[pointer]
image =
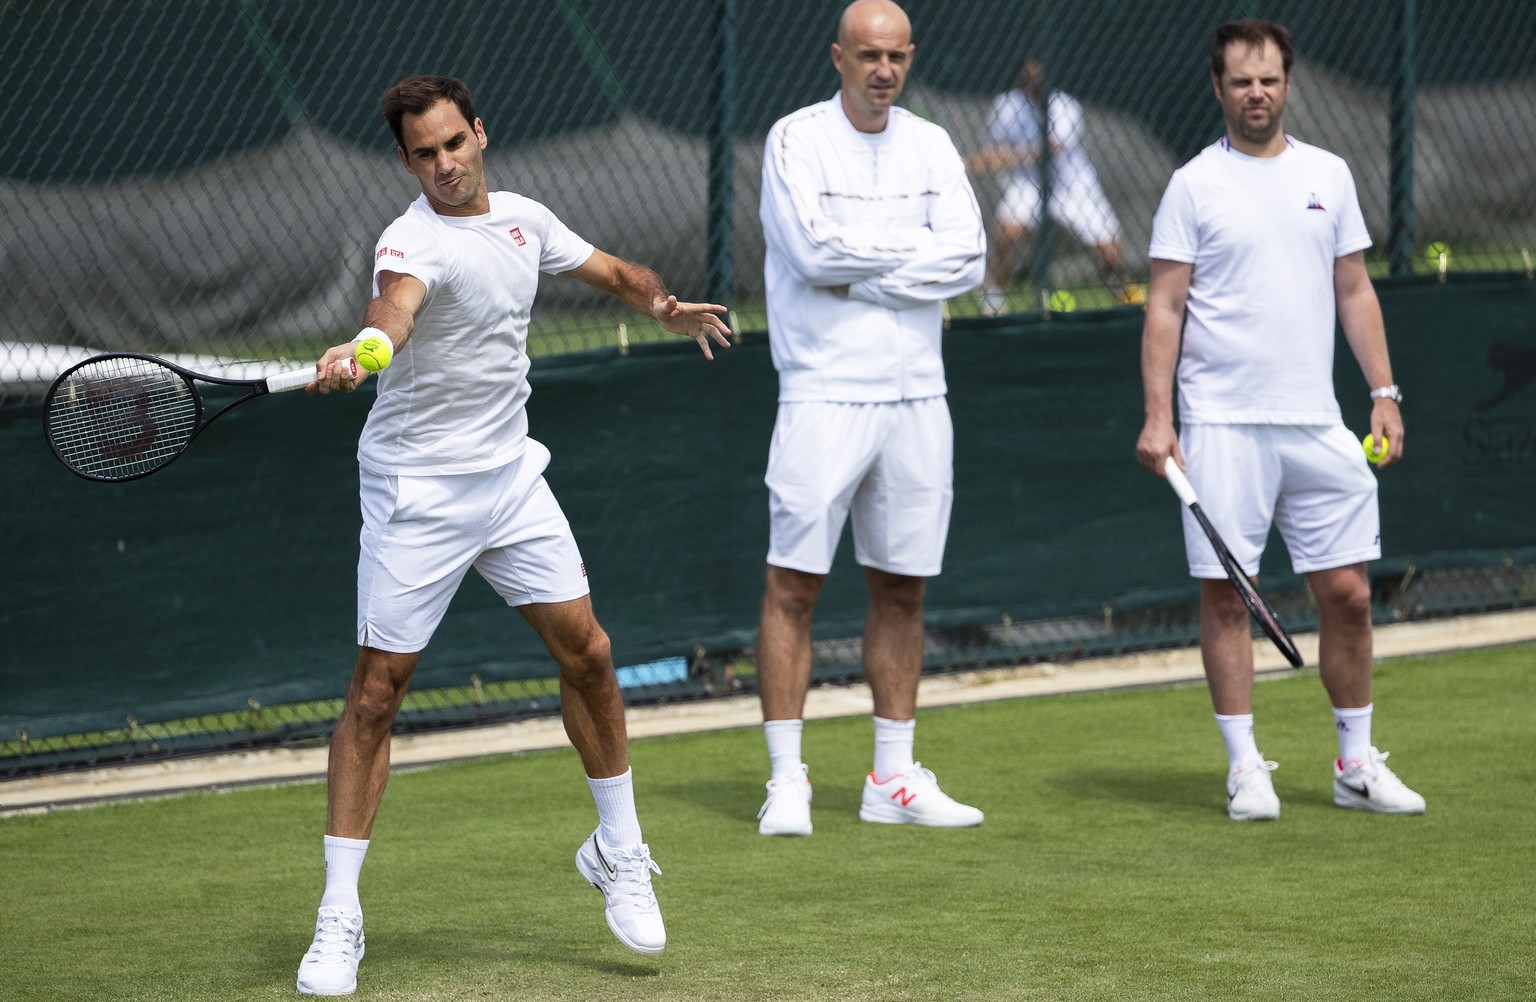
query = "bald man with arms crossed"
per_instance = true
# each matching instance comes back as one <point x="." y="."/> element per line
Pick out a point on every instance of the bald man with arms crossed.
<point x="870" y="225"/>
<point x="1258" y="244"/>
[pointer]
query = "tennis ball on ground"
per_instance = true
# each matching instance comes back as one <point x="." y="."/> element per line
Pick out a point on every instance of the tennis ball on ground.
<point x="373" y="353"/>
<point x="1063" y="301"/>
<point x="1373" y="452"/>
<point x="1434" y="250"/>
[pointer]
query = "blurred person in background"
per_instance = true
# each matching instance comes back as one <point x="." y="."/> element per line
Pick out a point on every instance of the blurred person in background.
<point x="1077" y="199"/>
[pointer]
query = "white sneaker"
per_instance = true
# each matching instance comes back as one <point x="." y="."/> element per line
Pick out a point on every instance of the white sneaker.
<point x="1251" y="794"/>
<point x="787" y="811"/>
<point x="330" y="966"/>
<point x="914" y="798"/>
<point x="1371" y="786"/>
<point x="624" y="877"/>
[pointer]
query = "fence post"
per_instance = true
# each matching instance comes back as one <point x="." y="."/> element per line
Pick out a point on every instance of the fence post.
<point x="719" y="244"/>
<point x="1045" y="170"/>
<point x="1400" y="143"/>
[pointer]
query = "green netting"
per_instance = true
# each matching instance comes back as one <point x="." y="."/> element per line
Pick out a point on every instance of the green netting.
<point x="216" y="174"/>
<point x="213" y="604"/>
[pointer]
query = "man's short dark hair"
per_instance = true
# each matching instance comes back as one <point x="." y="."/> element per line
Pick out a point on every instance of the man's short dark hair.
<point x="418" y="95"/>
<point x="1253" y="32"/>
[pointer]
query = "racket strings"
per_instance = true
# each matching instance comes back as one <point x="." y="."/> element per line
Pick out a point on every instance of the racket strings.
<point x="121" y="417"/>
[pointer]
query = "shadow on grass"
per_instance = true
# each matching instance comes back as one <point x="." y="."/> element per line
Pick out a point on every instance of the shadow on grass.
<point x="739" y="801"/>
<point x="1192" y="791"/>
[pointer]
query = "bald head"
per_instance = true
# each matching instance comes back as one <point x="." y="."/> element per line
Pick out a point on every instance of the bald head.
<point x="872" y="53"/>
<point x="863" y="16"/>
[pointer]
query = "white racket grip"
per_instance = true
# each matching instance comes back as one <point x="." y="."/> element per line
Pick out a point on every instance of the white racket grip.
<point x="300" y="378"/>
<point x="1179" y="482"/>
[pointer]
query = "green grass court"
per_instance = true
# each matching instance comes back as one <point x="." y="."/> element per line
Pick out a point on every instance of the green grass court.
<point x="1107" y="868"/>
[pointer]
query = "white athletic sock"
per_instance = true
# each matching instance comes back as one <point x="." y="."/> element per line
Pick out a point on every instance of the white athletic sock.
<point x="1354" y="727"/>
<point x="617" y="821"/>
<point x="343" y="863"/>
<point x="1237" y="732"/>
<point x="893" y="747"/>
<point x="783" y="745"/>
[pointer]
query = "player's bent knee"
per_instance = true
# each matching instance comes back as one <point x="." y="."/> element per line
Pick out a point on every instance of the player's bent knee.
<point x="589" y="662"/>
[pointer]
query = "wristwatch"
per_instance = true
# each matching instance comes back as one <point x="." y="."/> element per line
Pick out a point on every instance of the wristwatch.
<point x="1387" y="393"/>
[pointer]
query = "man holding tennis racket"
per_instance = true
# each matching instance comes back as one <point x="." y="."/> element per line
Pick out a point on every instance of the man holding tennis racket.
<point x="870" y="225"/>
<point x="1258" y="243"/>
<point x="450" y="479"/>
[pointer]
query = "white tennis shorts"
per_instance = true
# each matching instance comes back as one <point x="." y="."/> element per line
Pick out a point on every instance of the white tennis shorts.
<point x="890" y="465"/>
<point x="422" y="534"/>
<point x="1311" y="481"/>
<point x="1081" y="208"/>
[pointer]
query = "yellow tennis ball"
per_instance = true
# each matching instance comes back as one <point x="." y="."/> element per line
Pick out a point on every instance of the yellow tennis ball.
<point x="1434" y="250"/>
<point x="1063" y="301"/>
<point x="1373" y="452"/>
<point x="374" y="353"/>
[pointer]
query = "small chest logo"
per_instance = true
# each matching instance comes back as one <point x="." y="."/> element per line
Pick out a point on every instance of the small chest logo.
<point x="517" y="234"/>
<point x="1314" y="205"/>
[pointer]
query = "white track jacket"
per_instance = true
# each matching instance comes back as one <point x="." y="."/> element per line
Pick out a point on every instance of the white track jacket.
<point x="891" y="216"/>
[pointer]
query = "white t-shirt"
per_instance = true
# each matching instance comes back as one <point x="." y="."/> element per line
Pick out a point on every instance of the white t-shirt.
<point x="452" y="401"/>
<point x="1263" y="235"/>
<point x="1015" y="121"/>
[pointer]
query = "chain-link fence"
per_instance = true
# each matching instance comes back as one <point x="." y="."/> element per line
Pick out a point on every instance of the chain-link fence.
<point x="210" y="178"/>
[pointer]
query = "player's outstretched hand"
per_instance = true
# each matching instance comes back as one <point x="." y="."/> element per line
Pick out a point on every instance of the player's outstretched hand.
<point x="700" y="321"/>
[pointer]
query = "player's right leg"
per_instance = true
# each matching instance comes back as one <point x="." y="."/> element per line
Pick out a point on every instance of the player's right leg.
<point x="1238" y="482"/>
<point x="408" y="569"/>
<point x="1226" y="649"/>
<point x="819" y="455"/>
<point x="357" y="772"/>
<point x="783" y="677"/>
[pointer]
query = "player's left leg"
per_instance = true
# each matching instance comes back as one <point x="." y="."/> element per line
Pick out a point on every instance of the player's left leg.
<point x="613" y="859"/>
<point x="534" y="564"/>
<point x="1361" y="778"/>
<point x="1329" y="519"/>
<point x="900" y="526"/>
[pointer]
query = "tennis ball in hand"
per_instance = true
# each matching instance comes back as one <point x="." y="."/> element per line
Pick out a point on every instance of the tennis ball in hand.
<point x="374" y="353"/>
<point x="1373" y="452"/>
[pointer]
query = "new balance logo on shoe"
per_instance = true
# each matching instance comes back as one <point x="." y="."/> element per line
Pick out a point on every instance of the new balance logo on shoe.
<point x="913" y="797"/>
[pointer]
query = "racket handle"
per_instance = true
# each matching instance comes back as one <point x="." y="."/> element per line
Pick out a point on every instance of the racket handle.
<point x="300" y="378"/>
<point x="1179" y="482"/>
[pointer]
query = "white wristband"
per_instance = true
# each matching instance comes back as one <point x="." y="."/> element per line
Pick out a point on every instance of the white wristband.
<point x="368" y="332"/>
<point x="1387" y="393"/>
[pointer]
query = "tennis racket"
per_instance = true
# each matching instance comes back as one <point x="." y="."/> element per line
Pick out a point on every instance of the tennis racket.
<point x="123" y="416"/>
<point x="1268" y="621"/>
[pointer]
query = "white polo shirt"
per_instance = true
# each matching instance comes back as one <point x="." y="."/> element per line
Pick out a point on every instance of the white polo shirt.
<point x="1263" y="235"/>
<point x="452" y="401"/>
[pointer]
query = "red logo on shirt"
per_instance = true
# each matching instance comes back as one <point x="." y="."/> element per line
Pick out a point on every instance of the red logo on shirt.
<point x="517" y="234"/>
<point x="390" y="251"/>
